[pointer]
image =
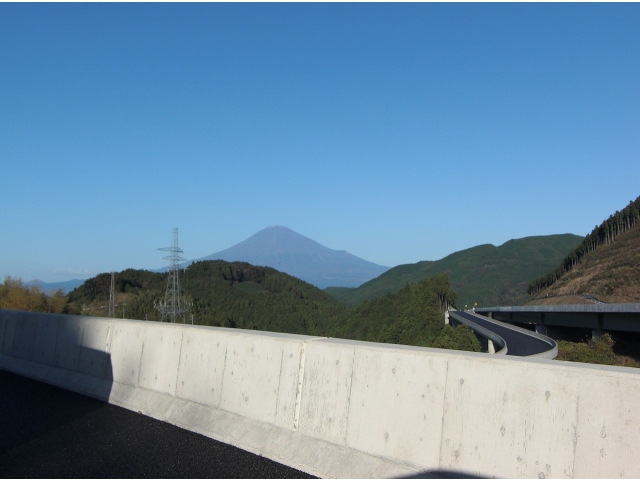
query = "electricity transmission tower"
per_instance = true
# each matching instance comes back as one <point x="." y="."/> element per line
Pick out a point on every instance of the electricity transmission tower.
<point x="112" y="298"/>
<point x="172" y="308"/>
<point x="112" y="301"/>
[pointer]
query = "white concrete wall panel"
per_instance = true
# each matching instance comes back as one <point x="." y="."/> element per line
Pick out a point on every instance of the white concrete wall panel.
<point x="94" y="352"/>
<point x="344" y="408"/>
<point x="326" y="390"/>
<point x="251" y="376"/>
<point x="25" y="335"/>
<point x="608" y="433"/>
<point x="202" y="365"/>
<point x="290" y="363"/>
<point x="508" y="418"/>
<point x="127" y="339"/>
<point x="160" y="357"/>
<point x="44" y="346"/>
<point x="11" y="319"/>
<point x="396" y="404"/>
<point x="3" y="322"/>
<point x="68" y="341"/>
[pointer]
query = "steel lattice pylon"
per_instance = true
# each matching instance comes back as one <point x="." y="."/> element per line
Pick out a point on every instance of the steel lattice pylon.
<point x="112" y="298"/>
<point x="173" y="308"/>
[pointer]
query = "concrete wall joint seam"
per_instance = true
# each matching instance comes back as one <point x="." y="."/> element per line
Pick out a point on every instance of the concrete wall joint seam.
<point x="140" y="364"/>
<point x="175" y="384"/>
<point x="4" y="335"/>
<point x="575" y="434"/>
<point x="296" y="417"/>
<point x="444" y="413"/>
<point x="275" y="416"/>
<point x="353" y="366"/>
<point x="106" y="361"/>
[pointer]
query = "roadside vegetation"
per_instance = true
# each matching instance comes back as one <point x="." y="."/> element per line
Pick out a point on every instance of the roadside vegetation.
<point x="604" y="351"/>
<point x="412" y="316"/>
<point x="14" y="295"/>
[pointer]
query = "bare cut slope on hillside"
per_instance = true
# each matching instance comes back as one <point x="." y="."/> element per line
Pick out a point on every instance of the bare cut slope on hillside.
<point x="611" y="273"/>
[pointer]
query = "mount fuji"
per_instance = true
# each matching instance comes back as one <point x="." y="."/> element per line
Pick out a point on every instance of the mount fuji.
<point x="285" y="250"/>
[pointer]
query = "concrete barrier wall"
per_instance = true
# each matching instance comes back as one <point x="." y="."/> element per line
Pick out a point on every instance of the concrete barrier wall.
<point x="338" y="408"/>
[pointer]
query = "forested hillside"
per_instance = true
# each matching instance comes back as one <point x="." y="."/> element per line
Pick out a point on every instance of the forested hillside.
<point x="412" y="316"/>
<point x="223" y="294"/>
<point x="484" y="274"/>
<point x="240" y="295"/>
<point x="603" y="235"/>
<point x="610" y="274"/>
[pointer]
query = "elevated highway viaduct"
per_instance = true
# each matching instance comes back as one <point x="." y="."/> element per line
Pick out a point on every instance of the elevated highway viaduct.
<point x="339" y="408"/>
<point x="620" y="317"/>
<point x="510" y="339"/>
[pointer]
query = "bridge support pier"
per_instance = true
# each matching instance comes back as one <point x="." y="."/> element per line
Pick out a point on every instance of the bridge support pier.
<point x="446" y="317"/>
<point x="542" y="329"/>
<point x="490" y="347"/>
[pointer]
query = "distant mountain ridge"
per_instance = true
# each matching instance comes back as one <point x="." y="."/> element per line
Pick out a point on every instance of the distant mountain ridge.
<point x="287" y="251"/>
<point x="485" y="274"/>
<point x="48" y="287"/>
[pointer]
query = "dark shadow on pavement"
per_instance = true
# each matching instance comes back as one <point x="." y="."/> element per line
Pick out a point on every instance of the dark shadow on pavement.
<point x="29" y="408"/>
<point x="48" y="432"/>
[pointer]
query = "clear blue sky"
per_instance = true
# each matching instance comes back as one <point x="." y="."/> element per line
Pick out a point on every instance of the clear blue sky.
<point x="397" y="132"/>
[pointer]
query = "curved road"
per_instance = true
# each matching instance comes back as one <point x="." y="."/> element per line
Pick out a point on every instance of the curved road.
<point x="518" y="343"/>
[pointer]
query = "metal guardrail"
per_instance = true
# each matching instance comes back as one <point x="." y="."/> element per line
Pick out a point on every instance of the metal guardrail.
<point x="488" y="334"/>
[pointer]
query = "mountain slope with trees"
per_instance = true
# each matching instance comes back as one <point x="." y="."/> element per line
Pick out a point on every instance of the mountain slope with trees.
<point x="610" y="273"/>
<point x="240" y="295"/>
<point x="236" y="295"/>
<point x="485" y="274"/>
<point x="412" y="316"/>
<point x="602" y="236"/>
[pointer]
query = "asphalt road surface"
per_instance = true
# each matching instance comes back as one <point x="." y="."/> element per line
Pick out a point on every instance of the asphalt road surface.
<point x="49" y="432"/>
<point x="518" y="344"/>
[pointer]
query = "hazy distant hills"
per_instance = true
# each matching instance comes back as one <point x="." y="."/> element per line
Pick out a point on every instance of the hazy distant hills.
<point x="287" y="251"/>
<point x="485" y="274"/>
<point x="66" y="287"/>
